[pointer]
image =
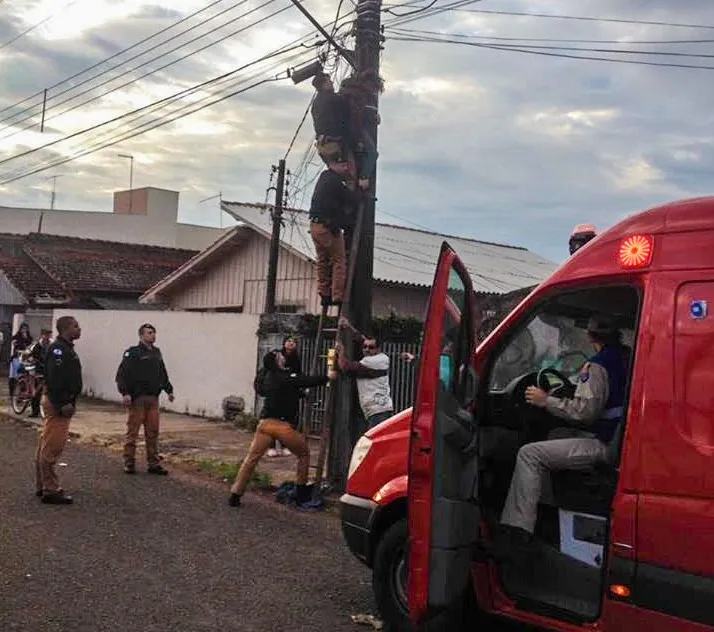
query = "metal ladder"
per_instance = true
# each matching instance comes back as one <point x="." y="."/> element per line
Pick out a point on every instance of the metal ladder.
<point x="330" y="399"/>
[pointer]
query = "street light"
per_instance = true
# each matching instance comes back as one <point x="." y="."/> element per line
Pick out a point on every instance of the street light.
<point x="131" y="176"/>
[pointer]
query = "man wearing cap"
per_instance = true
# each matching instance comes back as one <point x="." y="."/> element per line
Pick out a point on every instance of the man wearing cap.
<point x="596" y="408"/>
<point x="140" y="379"/>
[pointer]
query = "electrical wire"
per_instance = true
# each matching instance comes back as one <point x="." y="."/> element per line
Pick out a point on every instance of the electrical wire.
<point x="587" y="18"/>
<point x="28" y="30"/>
<point x="104" y="61"/>
<point x="402" y="31"/>
<point x="151" y="72"/>
<point x="179" y="96"/>
<point x="638" y="62"/>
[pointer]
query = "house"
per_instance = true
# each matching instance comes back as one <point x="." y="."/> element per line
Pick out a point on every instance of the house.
<point x="231" y="274"/>
<point x="140" y="216"/>
<point x="40" y="272"/>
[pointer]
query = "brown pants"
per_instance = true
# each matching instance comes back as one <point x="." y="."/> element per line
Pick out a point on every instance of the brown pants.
<point x="144" y="411"/>
<point x="49" y="448"/>
<point x="331" y="263"/>
<point x="267" y="431"/>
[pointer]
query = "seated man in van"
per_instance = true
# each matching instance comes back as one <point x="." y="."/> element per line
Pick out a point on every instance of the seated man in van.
<point x="595" y="409"/>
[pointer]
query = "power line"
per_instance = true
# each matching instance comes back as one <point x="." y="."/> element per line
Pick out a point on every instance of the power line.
<point x="34" y="26"/>
<point x="545" y="39"/>
<point x="151" y="72"/>
<point x="571" y="48"/>
<point x="586" y="18"/>
<point x="178" y="95"/>
<point x="638" y="62"/>
<point x="114" y="56"/>
<point x="299" y="127"/>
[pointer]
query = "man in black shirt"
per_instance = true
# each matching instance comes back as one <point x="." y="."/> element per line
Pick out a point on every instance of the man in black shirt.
<point x="63" y="384"/>
<point x="331" y="209"/>
<point x="331" y="118"/>
<point x="140" y="379"/>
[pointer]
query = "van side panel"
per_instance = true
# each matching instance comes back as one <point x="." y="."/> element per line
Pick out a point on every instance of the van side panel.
<point x="675" y="522"/>
<point x="624" y="616"/>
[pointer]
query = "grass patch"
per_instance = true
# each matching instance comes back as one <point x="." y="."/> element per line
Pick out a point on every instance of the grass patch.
<point x="229" y="471"/>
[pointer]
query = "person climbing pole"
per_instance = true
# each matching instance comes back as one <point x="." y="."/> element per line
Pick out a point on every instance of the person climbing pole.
<point x="359" y="91"/>
<point x="333" y="204"/>
<point x="331" y="119"/>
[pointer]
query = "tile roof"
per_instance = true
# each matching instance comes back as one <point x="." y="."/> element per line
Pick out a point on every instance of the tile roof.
<point x="408" y="256"/>
<point x="58" y="266"/>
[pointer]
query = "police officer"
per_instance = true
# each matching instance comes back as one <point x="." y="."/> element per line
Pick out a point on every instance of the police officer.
<point x="140" y="379"/>
<point x="595" y="406"/>
<point x="63" y="384"/>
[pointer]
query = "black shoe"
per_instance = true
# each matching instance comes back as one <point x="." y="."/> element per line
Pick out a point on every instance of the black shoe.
<point x="57" y="498"/>
<point x="234" y="500"/>
<point x="325" y="301"/>
<point x="158" y="469"/>
<point x="39" y="493"/>
<point x="129" y="469"/>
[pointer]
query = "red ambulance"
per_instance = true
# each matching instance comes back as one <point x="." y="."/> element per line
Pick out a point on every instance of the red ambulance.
<point x="627" y="545"/>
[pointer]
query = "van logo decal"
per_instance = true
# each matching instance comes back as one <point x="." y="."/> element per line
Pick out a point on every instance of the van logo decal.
<point x="698" y="309"/>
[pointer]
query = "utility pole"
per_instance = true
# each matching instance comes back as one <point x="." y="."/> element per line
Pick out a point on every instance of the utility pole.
<point x="368" y="40"/>
<point x="54" y="191"/>
<point x="275" y="239"/>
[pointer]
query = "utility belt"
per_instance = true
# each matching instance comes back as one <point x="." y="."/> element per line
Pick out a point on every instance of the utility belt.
<point x="324" y="138"/>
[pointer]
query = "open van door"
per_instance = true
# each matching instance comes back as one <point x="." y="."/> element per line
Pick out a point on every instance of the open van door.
<point x="443" y="451"/>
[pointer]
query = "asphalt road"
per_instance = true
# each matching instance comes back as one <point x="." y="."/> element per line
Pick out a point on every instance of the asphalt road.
<point x="162" y="554"/>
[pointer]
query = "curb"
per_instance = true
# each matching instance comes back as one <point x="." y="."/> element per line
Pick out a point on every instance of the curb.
<point x="29" y="423"/>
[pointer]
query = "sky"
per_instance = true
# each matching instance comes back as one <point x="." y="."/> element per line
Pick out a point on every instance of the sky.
<point x="501" y="145"/>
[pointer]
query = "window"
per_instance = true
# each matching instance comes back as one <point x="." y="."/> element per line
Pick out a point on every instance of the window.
<point x="453" y="341"/>
<point x="555" y="336"/>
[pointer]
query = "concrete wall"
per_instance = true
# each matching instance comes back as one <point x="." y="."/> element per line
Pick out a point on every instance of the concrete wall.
<point x="209" y="356"/>
<point x="152" y="222"/>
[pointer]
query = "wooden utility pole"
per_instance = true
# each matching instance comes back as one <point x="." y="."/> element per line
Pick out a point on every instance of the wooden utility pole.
<point x="275" y="239"/>
<point x="346" y="429"/>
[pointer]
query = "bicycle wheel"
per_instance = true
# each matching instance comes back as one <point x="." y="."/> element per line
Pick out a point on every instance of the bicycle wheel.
<point x="20" y="399"/>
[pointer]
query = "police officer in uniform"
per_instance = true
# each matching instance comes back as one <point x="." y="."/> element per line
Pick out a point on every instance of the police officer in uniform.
<point x="596" y="409"/>
<point x="63" y="384"/>
<point x="140" y="379"/>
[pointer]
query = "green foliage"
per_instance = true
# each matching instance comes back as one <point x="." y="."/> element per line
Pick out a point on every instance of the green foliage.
<point x="229" y="471"/>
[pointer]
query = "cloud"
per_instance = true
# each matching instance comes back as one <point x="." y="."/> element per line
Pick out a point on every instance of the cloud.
<point x="494" y="144"/>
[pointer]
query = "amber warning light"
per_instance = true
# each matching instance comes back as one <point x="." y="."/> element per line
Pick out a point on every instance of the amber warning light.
<point x="636" y="251"/>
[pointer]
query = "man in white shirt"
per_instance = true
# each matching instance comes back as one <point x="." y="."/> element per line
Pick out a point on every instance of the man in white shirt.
<point x="372" y="373"/>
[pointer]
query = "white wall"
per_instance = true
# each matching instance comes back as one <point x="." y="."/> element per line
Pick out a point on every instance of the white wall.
<point x="208" y="356"/>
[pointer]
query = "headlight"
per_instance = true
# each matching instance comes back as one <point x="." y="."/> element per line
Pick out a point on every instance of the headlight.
<point x="359" y="453"/>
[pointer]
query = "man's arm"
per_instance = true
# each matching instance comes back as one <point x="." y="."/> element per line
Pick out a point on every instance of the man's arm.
<point x="124" y="374"/>
<point x="355" y="368"/>
<point x="164" y="375"/>
<point x="588" y="403"/>
<point x="55" y="382"/>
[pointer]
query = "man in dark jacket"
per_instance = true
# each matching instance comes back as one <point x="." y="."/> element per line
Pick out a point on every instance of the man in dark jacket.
<point x="140" y="379"/>
<point x="331" y="210"/>
<point x="39" y="354"/>
<point x="331" y="118"/>
<point x="63" y="384"/>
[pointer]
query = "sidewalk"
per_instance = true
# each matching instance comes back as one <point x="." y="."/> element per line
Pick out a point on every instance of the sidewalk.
<point x="193" y="442"/>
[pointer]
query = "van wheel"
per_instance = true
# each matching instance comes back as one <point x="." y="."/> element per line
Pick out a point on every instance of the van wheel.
<point x="389" y="578"/>
<point x="389" y="585"/>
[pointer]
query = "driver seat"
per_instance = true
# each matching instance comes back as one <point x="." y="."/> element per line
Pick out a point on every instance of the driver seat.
<point x="590" y="491"/>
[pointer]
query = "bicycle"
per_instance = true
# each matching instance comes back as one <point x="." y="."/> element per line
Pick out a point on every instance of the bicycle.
<point x="28" y="385"/>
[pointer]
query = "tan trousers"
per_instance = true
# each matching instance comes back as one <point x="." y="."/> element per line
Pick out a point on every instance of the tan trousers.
<point x="144" y="411"/>
<point x="331" y="261"/>
<point x="533" y="463"/>
<point x="267" y="431"/>
<point x="50" y="446"/>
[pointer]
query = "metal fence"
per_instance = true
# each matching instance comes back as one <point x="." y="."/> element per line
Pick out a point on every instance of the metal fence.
<point x="402" y="378"/>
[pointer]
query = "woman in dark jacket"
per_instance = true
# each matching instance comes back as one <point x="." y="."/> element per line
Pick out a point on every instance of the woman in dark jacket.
<point x="282" y="389"/>
<point x="293" y="363"/>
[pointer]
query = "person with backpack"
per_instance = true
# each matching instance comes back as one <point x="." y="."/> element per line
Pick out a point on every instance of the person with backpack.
<point x="282" y="389"/>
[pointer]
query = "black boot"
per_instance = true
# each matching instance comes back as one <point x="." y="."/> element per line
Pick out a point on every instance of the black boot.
<point x="234" y="500"/>
<point x="57" y="498"/>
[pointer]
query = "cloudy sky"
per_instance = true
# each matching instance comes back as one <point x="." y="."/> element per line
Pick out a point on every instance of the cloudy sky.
<point x="496" y="144"/>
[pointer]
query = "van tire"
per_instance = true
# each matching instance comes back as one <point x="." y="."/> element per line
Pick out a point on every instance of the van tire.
<point x="389" y="563"/>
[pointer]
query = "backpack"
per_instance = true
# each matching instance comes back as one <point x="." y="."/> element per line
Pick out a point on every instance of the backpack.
<point x="259" y="383"/>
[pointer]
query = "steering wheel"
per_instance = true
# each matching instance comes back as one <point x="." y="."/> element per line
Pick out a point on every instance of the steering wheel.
<point x="544" y="384"/>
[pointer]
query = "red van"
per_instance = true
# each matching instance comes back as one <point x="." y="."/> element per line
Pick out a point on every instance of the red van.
<point x="627" y="545"/>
